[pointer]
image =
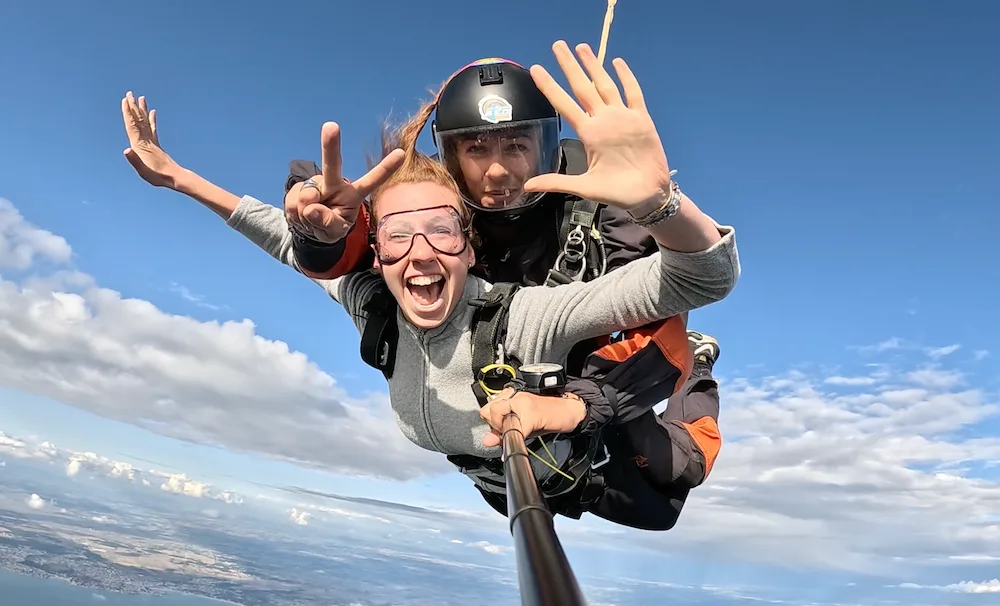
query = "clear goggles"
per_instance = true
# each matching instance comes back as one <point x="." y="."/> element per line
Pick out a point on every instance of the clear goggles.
<point x="524" y="150"/>
<point x="440" y="226"/>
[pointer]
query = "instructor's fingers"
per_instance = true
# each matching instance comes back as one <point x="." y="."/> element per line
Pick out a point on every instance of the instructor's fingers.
<point x="630" y="84"/>
<point x="558" y="97"/>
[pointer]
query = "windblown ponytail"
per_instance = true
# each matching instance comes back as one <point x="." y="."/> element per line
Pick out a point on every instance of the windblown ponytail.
<point x="416" y="167"/>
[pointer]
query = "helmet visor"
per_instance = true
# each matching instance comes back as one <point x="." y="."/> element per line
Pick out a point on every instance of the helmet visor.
<point x="491" y="163"/>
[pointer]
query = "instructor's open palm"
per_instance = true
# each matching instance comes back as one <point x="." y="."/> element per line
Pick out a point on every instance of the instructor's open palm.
<point x="627" y="166"/>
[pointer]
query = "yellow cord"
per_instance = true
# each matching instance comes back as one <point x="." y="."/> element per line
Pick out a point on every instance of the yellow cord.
<point x="550" y="465"/>
<point x="609" y="16"/>
<point x="489" y="367"/>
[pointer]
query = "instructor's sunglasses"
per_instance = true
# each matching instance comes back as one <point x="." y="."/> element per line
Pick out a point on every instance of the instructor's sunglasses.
<point x="440" y="226"/>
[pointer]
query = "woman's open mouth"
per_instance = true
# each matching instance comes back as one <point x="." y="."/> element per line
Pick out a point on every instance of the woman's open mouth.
<point x="426" y="291"/>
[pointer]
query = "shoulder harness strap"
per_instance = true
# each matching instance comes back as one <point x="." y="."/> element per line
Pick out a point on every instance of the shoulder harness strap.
<point x="578" y="232"/>
<point x="489" y="328"/>
<point x="381" y="332"/>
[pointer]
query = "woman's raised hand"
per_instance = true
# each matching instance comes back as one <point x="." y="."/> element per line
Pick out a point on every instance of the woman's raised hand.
<point x="144" y="152"/>
<point x="326" y="207"/>
<point x="627" y="166"/>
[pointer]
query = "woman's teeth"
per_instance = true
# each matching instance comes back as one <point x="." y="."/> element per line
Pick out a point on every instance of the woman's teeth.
<point x="423" y="280"/>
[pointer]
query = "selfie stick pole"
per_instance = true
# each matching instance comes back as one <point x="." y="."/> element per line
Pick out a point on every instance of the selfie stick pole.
<point x="544" y="574"/>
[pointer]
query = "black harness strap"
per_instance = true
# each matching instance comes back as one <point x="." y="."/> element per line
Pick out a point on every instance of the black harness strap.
<point x="489" y="327"/>
<point x="580" y="252"/>
<point x="381" y="333"/>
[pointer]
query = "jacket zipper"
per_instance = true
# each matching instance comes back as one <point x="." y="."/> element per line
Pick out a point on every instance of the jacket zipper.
<point x="424" y="409"/>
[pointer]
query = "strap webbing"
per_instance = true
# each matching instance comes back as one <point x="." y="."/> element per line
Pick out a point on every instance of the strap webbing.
<point x="381" y="333"/>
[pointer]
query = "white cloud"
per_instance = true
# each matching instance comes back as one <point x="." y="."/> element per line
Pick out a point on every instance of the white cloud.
<point x="35" y="501"/>
<point x="340" y="512"/>
<point x="299" y="517"/>
<point x="77" y="462"/>
<point x="975" y="557"/>
<point x="992" y="586"/>
<point x="22" y="244"/>
<point x="934" y="378"/>
<point x="817" y="473"/>
<point x="185" y="293"/>
<point x="940" y="352"/>
<point x="980" y="354"/>
<point x="855" y="381"/>
<point x="882" y="346"/>
<point x="179" y="483"/>
<point x="492" y="548"/>
<point x="64" y="337"/>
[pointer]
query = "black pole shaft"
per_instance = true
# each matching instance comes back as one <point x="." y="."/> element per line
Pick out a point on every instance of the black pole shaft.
<point x="543" y="571"/>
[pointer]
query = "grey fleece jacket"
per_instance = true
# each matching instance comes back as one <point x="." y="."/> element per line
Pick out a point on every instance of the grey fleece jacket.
<point x="430" y="389"/>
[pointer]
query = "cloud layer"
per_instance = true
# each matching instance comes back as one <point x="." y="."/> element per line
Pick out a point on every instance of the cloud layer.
<point x="886" y="468"/>
<point x="883" y="472"/>
<point x="64" y="337"/>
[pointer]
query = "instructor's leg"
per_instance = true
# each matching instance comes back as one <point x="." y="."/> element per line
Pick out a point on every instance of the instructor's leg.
<point x="629" y="498"/>
<point x="678" y="447"/>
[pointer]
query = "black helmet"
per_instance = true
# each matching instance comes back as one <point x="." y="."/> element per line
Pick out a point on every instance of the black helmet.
<point x="490" y="114"/>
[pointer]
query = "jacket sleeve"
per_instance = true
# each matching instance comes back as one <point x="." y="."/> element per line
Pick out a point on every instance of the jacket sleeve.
<point x="546" y="322"/>
<point x="266" y="226"/>
<point x="327" y="261"/>
<point x="599" y="410"/>
<point x="624" y="241"/>
<point x="299" y="171"/>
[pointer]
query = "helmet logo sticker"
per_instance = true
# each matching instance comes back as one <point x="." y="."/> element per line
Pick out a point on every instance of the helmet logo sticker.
<point x="494" y="109"/>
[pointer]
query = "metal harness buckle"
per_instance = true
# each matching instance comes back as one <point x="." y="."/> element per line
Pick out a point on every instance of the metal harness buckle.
<point x="574" y="251"/>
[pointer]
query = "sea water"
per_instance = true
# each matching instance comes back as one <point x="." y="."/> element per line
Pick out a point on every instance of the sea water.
<point x="24" y="590"/>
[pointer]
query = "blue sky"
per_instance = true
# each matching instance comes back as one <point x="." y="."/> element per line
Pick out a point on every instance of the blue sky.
<point x="853" y="145"/>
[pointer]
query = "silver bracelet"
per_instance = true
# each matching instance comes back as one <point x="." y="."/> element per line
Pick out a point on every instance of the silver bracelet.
<point x="664" y="212"/>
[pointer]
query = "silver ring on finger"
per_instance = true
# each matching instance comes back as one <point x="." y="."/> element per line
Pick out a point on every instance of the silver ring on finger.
<point x="310" y="183"/>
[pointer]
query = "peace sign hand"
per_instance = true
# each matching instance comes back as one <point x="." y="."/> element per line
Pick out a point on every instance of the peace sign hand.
<point x="627" y="166"/>
<point x="326" y="208"/>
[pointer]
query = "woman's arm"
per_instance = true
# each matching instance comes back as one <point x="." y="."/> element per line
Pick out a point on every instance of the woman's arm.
<point x="267" y="227"/>
<point x="264" y="225"/>
<point x="545" y="322"/>
<point x="211" y="196"/>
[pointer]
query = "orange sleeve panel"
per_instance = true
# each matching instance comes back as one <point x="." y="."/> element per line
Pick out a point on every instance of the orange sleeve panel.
<point x="670" y="337"/>
<point x="706" y="436"/>
<point x="355" y="248"/>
